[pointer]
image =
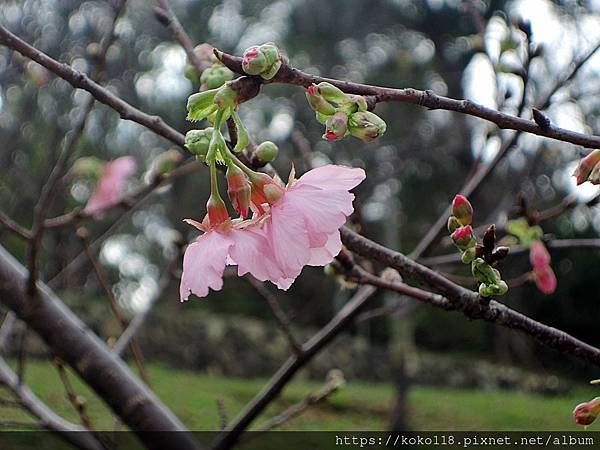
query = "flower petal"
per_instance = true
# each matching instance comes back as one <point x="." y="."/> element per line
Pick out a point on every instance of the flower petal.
<point x="203" y="264"/>
<point x="332" y="177"/>
<point x="321" y="256"/>
<point x="252" y="253"/>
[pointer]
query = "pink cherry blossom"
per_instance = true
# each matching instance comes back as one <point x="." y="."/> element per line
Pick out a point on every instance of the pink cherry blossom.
<point x="303" y="227"/>
<point x="110" y="186"/>
<point x="234" y="242"/>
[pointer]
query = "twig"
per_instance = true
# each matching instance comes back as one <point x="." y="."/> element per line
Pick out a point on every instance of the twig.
<point x="335" y="379"/>
<point x="167" y="17"/>
<point x="223" y="416"/>
<point x="75" y="434"/>
<point x="279" y="380"/>
<point x="468" y="302"/>
<point x="13" y="226"/>
<point x="76" y="401"/>
<point x="555" y="244"/>
<point x="135" y="349"/>
<point x="427" y="99"/>
<point x="280" y="316"/>
<point x="82" y="81"/>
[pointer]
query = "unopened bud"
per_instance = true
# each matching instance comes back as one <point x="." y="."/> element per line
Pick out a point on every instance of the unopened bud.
<point x="266" y="152"/>
<point x="336" y="127"/>
<point x="366" y="126"/>
<point x="538" y="255"/>
<point x="585" y="167"/>
<point x="215" y="76"/>
<point x="265" y="189"/>
<point x="462" y="210"/>
<point x="331" y="93"/>
<point x="453" y="224"/>
<point x="217" y="211"/>
<point x="264" y="60"/>
<point x="238" y="189"/>
<point x="318" y="103"/>
<point x="469" y="255"/>
<point x="198" y="141"/>
<point x="489" y="290"/>
<point x="545" y="279"/>
<point x="463" y="237"/>
<point x="594" y="177"/>
<point x="483" y="272"/>
<point x="585" y="413"/>
<point x="88" y="167"/>
<point x="165" y="162"/>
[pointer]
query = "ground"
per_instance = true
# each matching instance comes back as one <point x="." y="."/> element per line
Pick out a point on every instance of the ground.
<point x="357" y="406"/>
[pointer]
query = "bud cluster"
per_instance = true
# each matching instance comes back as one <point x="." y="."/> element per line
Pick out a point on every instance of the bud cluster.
<point x="244" y="186"/>
<point x="214" y="73"/>
<point x="481" y="257"/>
<point x="264" y="60"/>
<point x="343" y="114"/>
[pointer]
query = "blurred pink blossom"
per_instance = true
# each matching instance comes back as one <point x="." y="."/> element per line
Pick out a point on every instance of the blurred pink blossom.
<point x="544" y="276"/>
<point x="110" y="186"/>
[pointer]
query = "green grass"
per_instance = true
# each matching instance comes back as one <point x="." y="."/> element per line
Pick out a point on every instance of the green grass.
<point x="357" y="406"/>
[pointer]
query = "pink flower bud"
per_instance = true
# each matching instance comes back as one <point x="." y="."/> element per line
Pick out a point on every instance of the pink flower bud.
<point x="585" y="413"/>
<point x="584" y="169"/>
<point x="545" y="280"/>
<point x="265" y="189"/>
<point x="538" y="255"/>
<point x="238" y="189"/>
<point x="336" y="127"/>
<point x="462" y="210"/>
<point x="463" y="237"/>
<point x="217" y="211"/>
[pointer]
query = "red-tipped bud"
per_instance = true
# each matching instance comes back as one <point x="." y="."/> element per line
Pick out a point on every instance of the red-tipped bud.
<point x="585" y="167"/>
<point x="238" y="189"/>
<point x="336" y="127"/>
<point x="545" y="279"/>
<point x="265" y="189"/>
<point x="463" y="237"/>
<point x="217" y="211"/>
<point x="585" y="413"/>
<point x="538" y="255"/>
<point x="462" y="210"/>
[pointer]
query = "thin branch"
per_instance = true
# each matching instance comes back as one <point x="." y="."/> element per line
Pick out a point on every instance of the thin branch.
<point x="76" y="401"/>
<point x="13" y="226"/>
<point x="279" y="380"/>
<point x="335" y="379"/>
<point x="554" y="244"/>
<point x="134" y="347"/>
<point x="280" y="316"/>
<point x="468" y="302"/>
<point x="167" y="17"/>
<point x="82" y="81"/>
<point x="427" y="99"/>
<point x="75" y="434"/>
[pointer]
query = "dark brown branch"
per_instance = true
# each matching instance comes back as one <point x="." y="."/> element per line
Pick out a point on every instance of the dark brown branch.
<point x="342" y="319"/>
<point x="134" y="347"/>
<point x="427" y="99"/>
<point x="468" y="302"/>
<point x="13" y="226"/>
<point x="75" y="434"/>
<point x="167" y="17"/>
<point x="280" y="316"/>
<point x="105" y="373"/>
<point x="82" y="81"/>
